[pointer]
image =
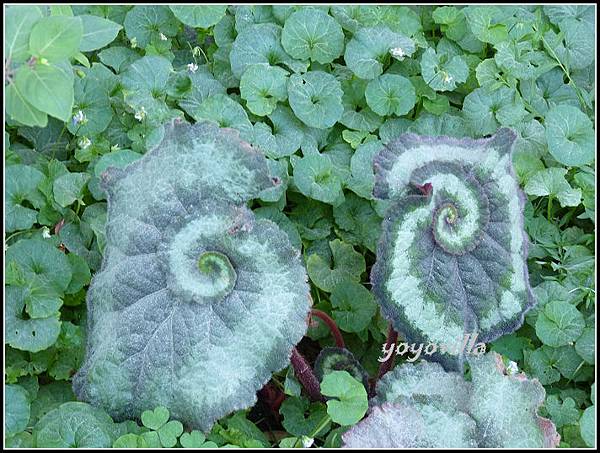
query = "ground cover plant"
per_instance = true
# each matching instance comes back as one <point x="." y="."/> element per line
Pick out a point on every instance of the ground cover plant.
<point x="322" y="94"/>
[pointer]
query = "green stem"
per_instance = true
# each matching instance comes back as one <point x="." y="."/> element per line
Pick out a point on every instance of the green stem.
<point x="549" y="214"/>
<point x="17" y="233"/>
<point x="322" y="424"/>
<point x="564" y="69"/>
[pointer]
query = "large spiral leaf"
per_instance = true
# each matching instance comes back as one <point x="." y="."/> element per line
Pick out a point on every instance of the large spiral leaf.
<point x="451" y="259"/>
<point x="197" y="302"/>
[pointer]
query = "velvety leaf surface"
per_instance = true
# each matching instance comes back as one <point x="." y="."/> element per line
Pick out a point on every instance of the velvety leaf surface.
<point x="451" y="259"/>
<point x="497" y="409"/>
<point x="197" y="275"/>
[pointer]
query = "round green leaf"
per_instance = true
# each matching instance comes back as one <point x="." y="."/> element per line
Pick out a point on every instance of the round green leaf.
<point x="351" y="402"/>
<point x="224" y="111"/>
<point x="262" y="86"/>
<point x="586" y="345"/>
<point x="258" y="43"/>
<point x="310" y="33"/>
<point x="27" y="334"/>
<point x="56" y="37"/>
<point x="146" y="23"/>
<point x="587" y="426"/>
<point x="442" y="72"/>
<point x="201" y="16"/>
<point x="21" y="185"/>
<point x="315" y="177"/>
<point x="570" y="136"/>
<point x="369" y="50"/>
<point x="75" y="425"/>
<point x="68" y="188"/>
<point x="144" y="85"/>
<point x="284" y="138"/>
<point x="391" y="94"/>
<point x="41" y="263"/>
<point x="17" y="409"/>
<point x="353" y="306"/>
<point x="316" y="98"/>
<point x="345" y="264"/>
<point x="559" y="324"/>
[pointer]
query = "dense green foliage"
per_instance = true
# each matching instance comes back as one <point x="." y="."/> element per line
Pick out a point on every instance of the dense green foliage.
<point x="319" y="90"/>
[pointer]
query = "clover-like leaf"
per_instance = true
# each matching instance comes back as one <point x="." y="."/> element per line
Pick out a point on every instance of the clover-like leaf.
<point x="371" y="47"/>
<point x="421" y="405"/>
<point x="570" y="136"/>
<point x="312" y="33"/>
<point x="189" y="276"/>
<point x="262" y="86"/>
<point x="451" y="259"/>
<point x="316" y="98"/>
<point x="391" y="94"/>
<point x="75" y="425"/>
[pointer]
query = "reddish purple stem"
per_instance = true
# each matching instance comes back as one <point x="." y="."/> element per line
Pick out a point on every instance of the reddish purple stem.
<point x="306" y="376"/>
<point x="392" y="338"/>
<point x="337" y="335"/>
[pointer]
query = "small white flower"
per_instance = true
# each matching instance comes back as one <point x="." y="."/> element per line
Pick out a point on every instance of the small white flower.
<point x="140" y="114"/>
<point x="307" y="441"/>
<point x="79" y="118"/>
<point x="133" y="42"/>
<point x="46" y="232"/>
<point x="84" y="142"/>
<point x="512" y="368"/>
<point x="447" y="77"/>
<point x="192" y="67"/>
<point x="397" y="52"/>
<point x="163" y="37"/>
<point x="115" y="147"/>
